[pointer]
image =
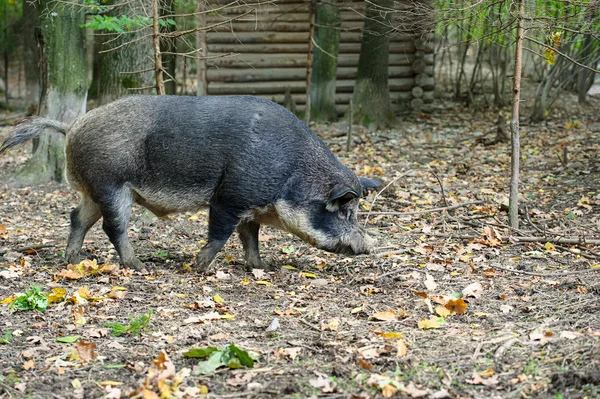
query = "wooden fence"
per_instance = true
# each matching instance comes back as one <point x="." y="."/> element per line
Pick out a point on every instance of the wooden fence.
<point x="270" y="47"/>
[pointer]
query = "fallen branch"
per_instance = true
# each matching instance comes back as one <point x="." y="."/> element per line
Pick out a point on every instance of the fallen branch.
<point x="446" y="208"/>
<point x="28" y="248"/>
<point x="573" y="273"/>
<point x="555" y="240"/>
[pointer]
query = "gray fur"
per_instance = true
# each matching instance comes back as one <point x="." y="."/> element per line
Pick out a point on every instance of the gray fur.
<point x="250" y="161"/>
<point x="30" y="128"/>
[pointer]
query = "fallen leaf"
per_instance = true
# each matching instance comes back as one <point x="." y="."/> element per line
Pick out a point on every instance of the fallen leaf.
<point x="429" y="282"/>
<point x="474" y="290"/>
<point x="388" y="315"/>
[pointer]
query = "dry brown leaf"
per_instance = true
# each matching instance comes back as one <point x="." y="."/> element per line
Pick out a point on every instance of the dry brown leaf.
<point x="401" y="349"/>
<point x="86" y="350"/>
<point x="365" y="365"/>
<point x="456" y="306"/>
<point x="474" y="290"/>
<point x="387" y="315"/>
<point x="29" y="365"/>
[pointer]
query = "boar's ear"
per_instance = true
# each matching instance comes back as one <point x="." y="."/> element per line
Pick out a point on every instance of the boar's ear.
<point x="340" y="196"/>
<point x="367" y="183"/>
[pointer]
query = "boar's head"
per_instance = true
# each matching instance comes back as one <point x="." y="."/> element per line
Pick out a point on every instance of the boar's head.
<point x="325" y="215"/>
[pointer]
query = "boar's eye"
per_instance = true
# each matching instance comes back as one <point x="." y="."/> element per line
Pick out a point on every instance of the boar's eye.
<point x="339" y="198"/>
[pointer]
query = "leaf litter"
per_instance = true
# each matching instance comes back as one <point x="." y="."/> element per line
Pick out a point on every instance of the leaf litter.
<point x="436" y="311"/>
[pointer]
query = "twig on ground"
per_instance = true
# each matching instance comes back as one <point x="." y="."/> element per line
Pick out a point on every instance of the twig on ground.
<point x="29" y="248"/>
<point x="306" y="323"/>
<point x="382" y="190"/>
<point x="446" y="208"/>
<point x="571" y="273"/>
<point x="504" y="347"/>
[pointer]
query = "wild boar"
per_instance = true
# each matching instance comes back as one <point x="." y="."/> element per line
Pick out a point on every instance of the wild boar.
<point x="250" y="161"/>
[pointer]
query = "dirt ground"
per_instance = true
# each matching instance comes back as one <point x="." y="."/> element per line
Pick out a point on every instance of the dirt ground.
<point x="510" y="313"/>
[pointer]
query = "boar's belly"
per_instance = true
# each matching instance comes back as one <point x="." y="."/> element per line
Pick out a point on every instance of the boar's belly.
<point x="165" y="200"/>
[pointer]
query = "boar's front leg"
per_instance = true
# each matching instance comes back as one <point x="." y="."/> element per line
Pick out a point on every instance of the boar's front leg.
<point x="116" y="208"/>
<point x="221" y="225"/>
<point x="248" y="232"/>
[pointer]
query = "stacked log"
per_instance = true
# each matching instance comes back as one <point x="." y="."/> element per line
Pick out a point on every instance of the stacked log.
<point x="268" y="53"/>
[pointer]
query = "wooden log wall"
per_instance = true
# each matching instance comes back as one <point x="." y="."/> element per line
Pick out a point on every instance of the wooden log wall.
<point x="270" y="51"/>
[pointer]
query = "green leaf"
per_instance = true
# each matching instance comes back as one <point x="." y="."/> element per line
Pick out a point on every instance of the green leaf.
<point x="209" y="366"/>
<point x="245" y="359"/>
<point x="200" y="352"/>
<point x="163" y="254"/>
<point x="68" y="340"/>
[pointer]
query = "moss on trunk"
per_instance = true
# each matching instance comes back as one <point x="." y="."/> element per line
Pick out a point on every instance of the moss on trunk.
<point x="372" y="105"/>
<point x="64" y="87"/>
<point x="327" y="43"/>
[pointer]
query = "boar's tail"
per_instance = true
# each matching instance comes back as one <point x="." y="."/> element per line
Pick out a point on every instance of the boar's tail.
<point x="31" y="128"/>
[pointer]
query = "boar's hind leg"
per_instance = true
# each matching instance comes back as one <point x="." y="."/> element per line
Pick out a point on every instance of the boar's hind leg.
<point x="248" y="232"/>
<point x="82" y="219"/>
<point x="116" y="209"/>
<point x="221" y="225"/>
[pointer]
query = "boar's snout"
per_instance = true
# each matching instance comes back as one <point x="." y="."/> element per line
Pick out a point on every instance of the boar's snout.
<point x="358" y="242"/>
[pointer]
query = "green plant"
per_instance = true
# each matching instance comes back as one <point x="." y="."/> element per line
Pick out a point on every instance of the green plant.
<point x="7" y="337"/>
<point x="32" y="299"/>
<point x="135" y="326"/>
<point x="230" y="356"/>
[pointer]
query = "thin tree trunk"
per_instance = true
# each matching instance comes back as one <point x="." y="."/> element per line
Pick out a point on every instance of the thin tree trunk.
<point x="309" y="61"/>
<point x="325" y="58"/>
<point x="513" y="205"/>
<point x="5" y="10"/>
<point x="169" y="45"/>
<point x="30" y="57"/>
<point x="202" y="87"/>
<point x="371" y="97"/>
<point x="63" y="87"/>
<point x="158" y="68"/>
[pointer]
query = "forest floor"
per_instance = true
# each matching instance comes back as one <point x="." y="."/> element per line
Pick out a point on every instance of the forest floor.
<point x="452" y="303"/>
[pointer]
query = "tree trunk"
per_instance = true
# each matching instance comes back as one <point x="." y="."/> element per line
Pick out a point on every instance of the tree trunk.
<point x="513" y="204"/>
<point x="115" y="67"/>
<point x="5" y="52"/>
<point x="202" y="86"/>
<point x="169" y="45"/>
<point x="371" y="98"/>
<point x="63" y="87"/>
<point x="309" y="61"/>
<point x="30" y="57"/>
<point x="324" y="65"/>
<point x="158" y="67"/>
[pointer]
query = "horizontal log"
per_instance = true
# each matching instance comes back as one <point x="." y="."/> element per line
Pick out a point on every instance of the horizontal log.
<point x="290" y="74"/>
<point x="281" y="16"/>
<point x="281" y="37"/>
<point x="340" y="98"/>
<point x="395" y="48"/>
<point x="299" y="86"/>
<point x="252" y="25"/>
<point x="294" y="60"/>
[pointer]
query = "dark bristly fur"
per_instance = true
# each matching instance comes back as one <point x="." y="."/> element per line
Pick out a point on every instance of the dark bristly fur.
<point x="249" y="160"/>
<point x="30" y="128"/>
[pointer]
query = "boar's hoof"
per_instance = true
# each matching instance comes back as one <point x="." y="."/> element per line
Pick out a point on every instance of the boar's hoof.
<point x="135" y="264"/>
<point x="259" y="265"/>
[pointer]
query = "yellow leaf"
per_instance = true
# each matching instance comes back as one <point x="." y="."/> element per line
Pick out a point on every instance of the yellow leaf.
<point x="193" y="217"/>
<point x="487" y="373"/>
<point x="388" y="315"/>
<point x="549" y="247"/>
<point x="11" y="298"/>
<point x="57" y="295"/>
<point x="110" y="383"/>
<point x="309" y="275"/>
<point x="596" y="266"/>
<point x="442" y="311"/>
<point x="218" y="299"/>
<point x="263" y="282"/>
<point x="203" y="390"/>
<point x="390" y="335"/>
<point x="245" y="281"/>
<point x="433" y="322"/>
<point x="150" y="277"/>
<point x="288" y="267"/>
<point x="76" y="383"/>
<point x="118" y="288"/>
